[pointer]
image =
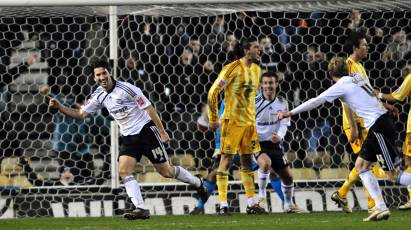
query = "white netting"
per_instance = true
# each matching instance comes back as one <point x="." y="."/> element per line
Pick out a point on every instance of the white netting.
<point x="174" y="53"/>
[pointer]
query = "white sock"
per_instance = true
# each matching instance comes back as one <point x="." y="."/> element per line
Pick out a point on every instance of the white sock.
<point x="133" y="191"/>
<point x="263" y="179"/>
<point x="223" y="204"/>
<point x="288" y="191"/>
<point x="183" y="175"/>
<point x="250" y="202"/>
<point x="371" y="184"/>
<point x="405" y="179"/>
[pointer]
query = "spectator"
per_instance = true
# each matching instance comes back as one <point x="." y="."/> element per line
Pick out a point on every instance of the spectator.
<point x="227" y="52"/>
<point x="356" y="20"/>
<point x="269" y="58"/>
<point x="7" y="73"/>
<point x="187" y="57"/>
<point x="398" y="48"/>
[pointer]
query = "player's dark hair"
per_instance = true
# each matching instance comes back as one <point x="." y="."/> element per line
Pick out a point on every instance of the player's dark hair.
<point x="338" y="67"/>
<point x="245" y="43"/>
<point x="271" y="74"/>
<point x="353" y="41"/>
<point x="100" y="63"/>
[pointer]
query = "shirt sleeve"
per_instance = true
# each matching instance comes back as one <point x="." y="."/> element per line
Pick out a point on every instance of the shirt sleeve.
<point x="404" y="90"/>
<point x="92" y="104"/>
<point x="332" y="93"/>
<point x="223" y="79"/>
<point x="138" y="97"/>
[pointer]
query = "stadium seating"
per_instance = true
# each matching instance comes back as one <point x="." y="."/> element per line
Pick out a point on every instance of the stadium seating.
<point x="4" y="180"/>
<point x="20" y="181"/>
<point x="304" y="174"/>
<point x="334" y="173"/>
<point x="185" y="160"/>
<point x="153" y="177"/>
<point x="9" y="166"/>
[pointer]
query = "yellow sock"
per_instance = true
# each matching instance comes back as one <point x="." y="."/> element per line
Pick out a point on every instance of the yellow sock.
<point x="377" y="171"/>
<point x="353" y="177"/>
<point x="222" y="185"/>
<point x="247" y="178"/>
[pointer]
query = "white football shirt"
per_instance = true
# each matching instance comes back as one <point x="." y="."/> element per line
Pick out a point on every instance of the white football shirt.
<point x="356" y="91"/>
<point x="125" y="103"/>
<point x="267" y="122"/>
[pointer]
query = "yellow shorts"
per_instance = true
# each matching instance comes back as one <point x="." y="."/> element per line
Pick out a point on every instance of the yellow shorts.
<point x="357" y="145"/>
<point x="238" y="139"/>
<point x="406" y="147"/>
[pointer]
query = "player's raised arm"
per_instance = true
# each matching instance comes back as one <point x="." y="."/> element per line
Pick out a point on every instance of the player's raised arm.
<point x="77" y="113"/>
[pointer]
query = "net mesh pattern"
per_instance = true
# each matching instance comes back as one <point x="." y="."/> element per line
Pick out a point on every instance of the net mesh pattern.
<point x="174" y="53"/>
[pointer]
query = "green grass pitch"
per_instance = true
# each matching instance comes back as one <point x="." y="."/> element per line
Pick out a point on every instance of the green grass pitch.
<point x="321" y="220"/>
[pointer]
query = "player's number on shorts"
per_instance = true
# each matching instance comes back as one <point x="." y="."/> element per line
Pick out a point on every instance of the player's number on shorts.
<point x="158" y="153"/>
<point x="285" y="160"/>
<point x="380" y="159"/>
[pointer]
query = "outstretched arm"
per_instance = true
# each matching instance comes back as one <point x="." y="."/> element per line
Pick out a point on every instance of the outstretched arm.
<point x="71" y="112"/>
<point x="332" y="93"/>
<point x="306" y="106"/>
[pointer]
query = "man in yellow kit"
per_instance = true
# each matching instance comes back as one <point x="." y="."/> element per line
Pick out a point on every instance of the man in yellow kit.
<point x="239" y="80"/>
<point x="352" y="124"/>
<point x="399" y="95"/>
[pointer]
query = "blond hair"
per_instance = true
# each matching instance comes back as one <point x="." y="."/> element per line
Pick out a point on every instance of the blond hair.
<point x="338" y="67"/>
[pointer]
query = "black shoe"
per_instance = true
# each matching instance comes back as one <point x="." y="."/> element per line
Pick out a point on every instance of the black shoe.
<point x="202" y="191"/>
<point x="256" y="209"/>
<point x="197" y="211"/>
<point x="224" y="211"/>
<point x="139" y="213"/>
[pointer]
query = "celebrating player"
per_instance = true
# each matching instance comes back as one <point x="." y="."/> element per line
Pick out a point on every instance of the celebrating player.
<point x="239" y="80"/>
<point x="379" y="145"/>
<point x="142" y="134"/>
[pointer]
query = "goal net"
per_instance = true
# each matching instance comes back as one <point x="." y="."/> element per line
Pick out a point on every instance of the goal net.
<point x="52" y="165"/>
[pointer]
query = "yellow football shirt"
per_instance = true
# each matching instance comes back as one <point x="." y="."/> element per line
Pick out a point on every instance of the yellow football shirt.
<point x="401" y="93"/>
<point x="355" y="67"/>
<point x="240" y="84"/>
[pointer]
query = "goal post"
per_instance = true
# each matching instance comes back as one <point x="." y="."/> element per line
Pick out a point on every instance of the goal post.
<point x="173" y="51"/>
